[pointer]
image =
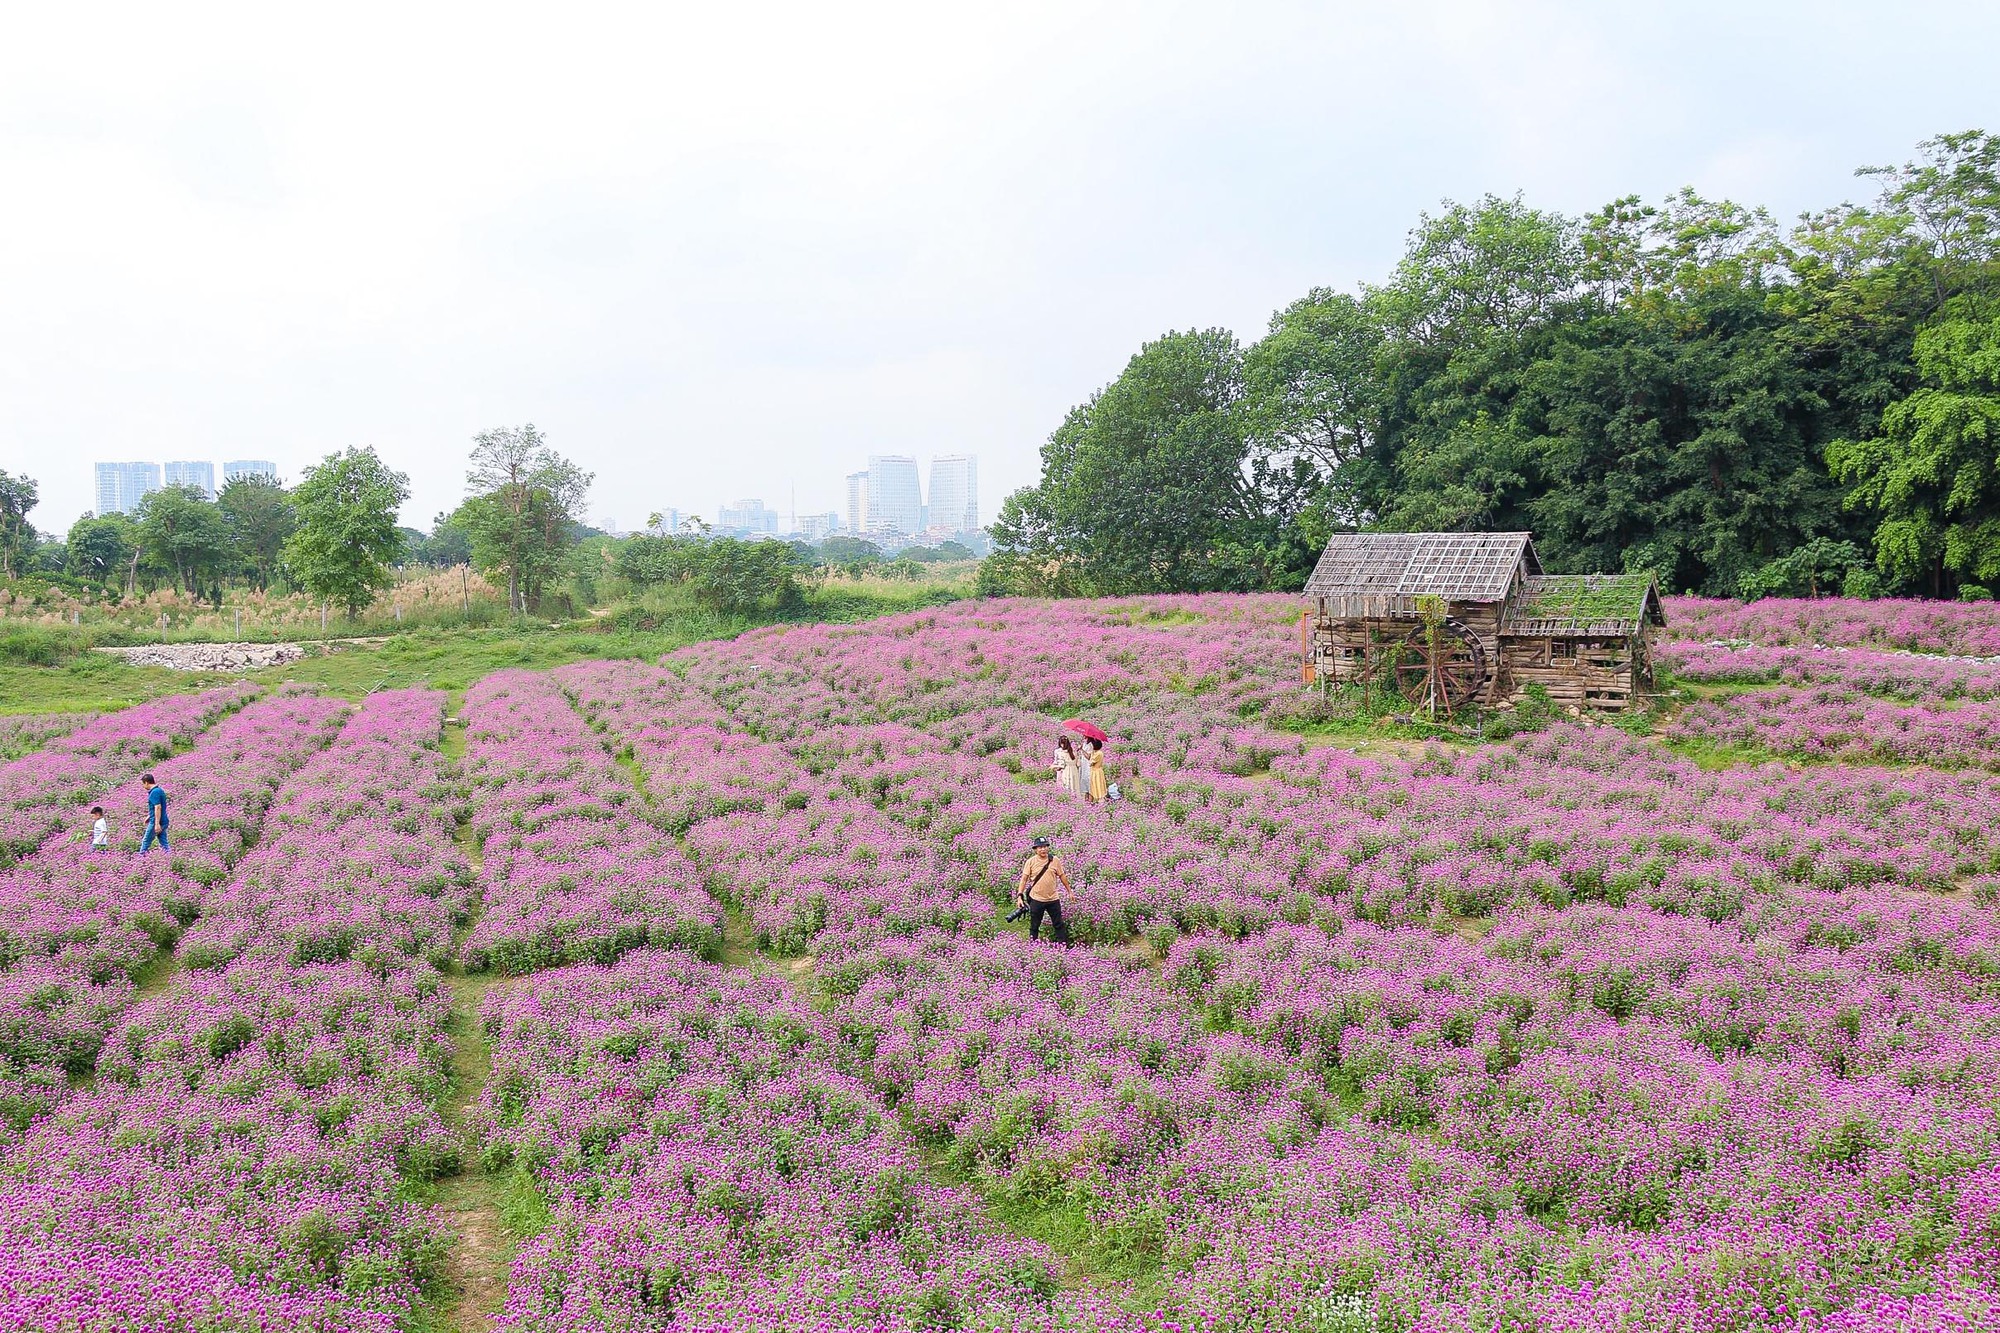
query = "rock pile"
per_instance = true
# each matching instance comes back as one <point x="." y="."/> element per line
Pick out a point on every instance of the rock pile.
<point x="209" y="656"/>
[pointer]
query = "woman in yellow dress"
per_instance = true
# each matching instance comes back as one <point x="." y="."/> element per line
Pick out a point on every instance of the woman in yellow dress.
<point x="1100" y="783"/>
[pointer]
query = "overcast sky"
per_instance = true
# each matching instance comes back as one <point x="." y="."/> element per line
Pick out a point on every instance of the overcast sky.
<point x="719" y="251"/>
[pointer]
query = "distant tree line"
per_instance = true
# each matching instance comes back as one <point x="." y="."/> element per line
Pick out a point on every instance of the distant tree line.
<point x="1683" y="387"/>
<point x="334" y="536"/>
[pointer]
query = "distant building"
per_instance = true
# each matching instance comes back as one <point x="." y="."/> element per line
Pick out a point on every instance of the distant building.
<point x="120" y="486"/>
<point x="192" y="474"/>
<point x="818" y="527"/>
<point x="895" y="496"/>
<point x="857" y="502"/>
<point x="248" y="467"/>
<point x="954" y="506"/>
<point x="746" y="518"/>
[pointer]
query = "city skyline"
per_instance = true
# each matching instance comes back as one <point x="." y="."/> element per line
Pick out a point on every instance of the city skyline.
<point x="900" y="507"/>
<point x="118" y="487"/>
<point x="884" y="499"/>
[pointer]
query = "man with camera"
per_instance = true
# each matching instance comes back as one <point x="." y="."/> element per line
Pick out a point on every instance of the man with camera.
<point x="1039" y="892"/>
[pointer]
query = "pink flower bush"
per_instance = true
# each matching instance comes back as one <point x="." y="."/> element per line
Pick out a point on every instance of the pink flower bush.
<point x="23" y="733"/>
<point x="1905" y="676"/>
<point x="244" y="1155"/>
<point x="1967" y="629"/>
<point x="574" y="869"/>
<point x="77" y="928"/>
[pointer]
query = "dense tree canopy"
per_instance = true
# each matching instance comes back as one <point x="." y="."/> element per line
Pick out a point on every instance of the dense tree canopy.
<point x="347" y="537"/>
<point x="523" y="511"/>
<point x="183" y="535"/>
<point x="1682" y="387"/>
<point x="261" y="519"/>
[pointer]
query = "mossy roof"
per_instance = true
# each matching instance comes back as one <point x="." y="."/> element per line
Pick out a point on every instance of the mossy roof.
<point x="1592" y="604"/>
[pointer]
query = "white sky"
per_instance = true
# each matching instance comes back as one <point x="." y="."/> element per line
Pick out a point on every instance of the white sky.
<point x="717" y="251"/>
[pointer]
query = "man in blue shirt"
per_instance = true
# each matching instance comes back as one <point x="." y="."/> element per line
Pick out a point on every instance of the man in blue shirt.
<point x="156" y="815"/>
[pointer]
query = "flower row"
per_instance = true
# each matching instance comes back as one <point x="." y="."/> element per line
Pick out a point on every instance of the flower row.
<point x="242" y="1159"/>
<point x="574" y="869"/>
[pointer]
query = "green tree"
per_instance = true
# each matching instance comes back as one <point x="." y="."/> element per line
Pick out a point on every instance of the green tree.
<point x="1820" y="568"/>
<point x="529" y="501"/>
<point x="346" y="537"/>
<point x="260" y="514"/>
<point x="185" y="535"/>
<point x="1146" y="488"/>
<point x="1931" y="475"/>
<point x="447" y="544"/>
<point x="1944" y="208"/>
<point x="1493" y="269"/>
<point x="841" y="549"/>
<point x="726" y="575"/>
<point x="17" y="538"/>
<point x="1314" y="393"/>
<point x="101" y="549"/>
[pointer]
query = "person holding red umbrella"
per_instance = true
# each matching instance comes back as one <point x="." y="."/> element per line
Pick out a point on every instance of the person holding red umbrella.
<point x="1100" y="783"/>
<point x="1097" y="782"/>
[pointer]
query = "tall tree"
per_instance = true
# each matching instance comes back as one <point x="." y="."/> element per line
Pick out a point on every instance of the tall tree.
<point x="185" y="535"/>
<point x="523" y="509"/>
<point x="17" y="538"/>
<point x="1945" y="207"/>
<point x="100" y="547"/>
<point x="1143" y="487"/>
<point x="261" y="516"/>
<point x="346" y="537"/>
<point x="1313" y="392"/>
<point x="1495" y="268"/>
<point x="1931" y="476"/>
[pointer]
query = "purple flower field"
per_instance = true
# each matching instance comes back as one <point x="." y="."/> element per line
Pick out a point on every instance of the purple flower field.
<point x="1562" y="1033"/>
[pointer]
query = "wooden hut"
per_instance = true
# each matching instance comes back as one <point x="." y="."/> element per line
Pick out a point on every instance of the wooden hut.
<point x="1450" y="620"/>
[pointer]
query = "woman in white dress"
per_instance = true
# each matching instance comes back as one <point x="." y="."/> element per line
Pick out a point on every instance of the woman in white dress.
<point x="1069" y="770"/>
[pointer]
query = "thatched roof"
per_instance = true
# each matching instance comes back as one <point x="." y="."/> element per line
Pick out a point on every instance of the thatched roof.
<point x="1585" y="604"/>
<point x="1383" y="573"/>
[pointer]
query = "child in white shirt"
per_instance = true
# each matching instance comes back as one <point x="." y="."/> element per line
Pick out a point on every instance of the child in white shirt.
<point x="100" y="832"/>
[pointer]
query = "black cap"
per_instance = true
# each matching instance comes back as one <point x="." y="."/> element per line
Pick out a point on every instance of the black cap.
<point x="1039" y="842"/>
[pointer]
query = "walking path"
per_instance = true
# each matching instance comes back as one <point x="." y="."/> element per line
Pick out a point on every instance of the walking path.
<point x="477" y="1264"/>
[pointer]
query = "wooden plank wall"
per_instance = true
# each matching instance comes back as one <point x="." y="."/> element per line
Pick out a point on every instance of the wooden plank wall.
<point x="1601" y="674"/>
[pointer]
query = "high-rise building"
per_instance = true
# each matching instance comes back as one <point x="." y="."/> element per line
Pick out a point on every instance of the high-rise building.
<point x="746" y="518"/>
<point x="192" y="474"/>
<point x="857" y="503"/>
<point x="954" y="505"/>
<point x="895" y="497"/>
<point x="110" y="479"/>
<point x="120" y="486"/>
<point x="248" y="467"/>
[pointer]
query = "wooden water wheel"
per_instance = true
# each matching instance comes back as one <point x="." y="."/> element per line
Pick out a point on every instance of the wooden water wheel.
<point x="1436" y="676"/>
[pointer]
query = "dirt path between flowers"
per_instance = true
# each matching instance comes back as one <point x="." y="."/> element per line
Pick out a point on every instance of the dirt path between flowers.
<point x="482" y="1252"/>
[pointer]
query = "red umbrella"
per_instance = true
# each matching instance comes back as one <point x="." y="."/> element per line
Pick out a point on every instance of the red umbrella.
<point x="1088" y="730"/>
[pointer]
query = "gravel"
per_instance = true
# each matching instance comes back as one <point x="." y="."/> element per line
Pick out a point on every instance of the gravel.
<point x="209" y="656"/>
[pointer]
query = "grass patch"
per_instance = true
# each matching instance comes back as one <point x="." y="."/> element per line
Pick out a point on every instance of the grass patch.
<point x="1351" y="712"/>
<point x="524" y="1210"/>
<point x="92" y="683"/>
<point x="1718" y="755"/>
<point x="1125" y="1262"/>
